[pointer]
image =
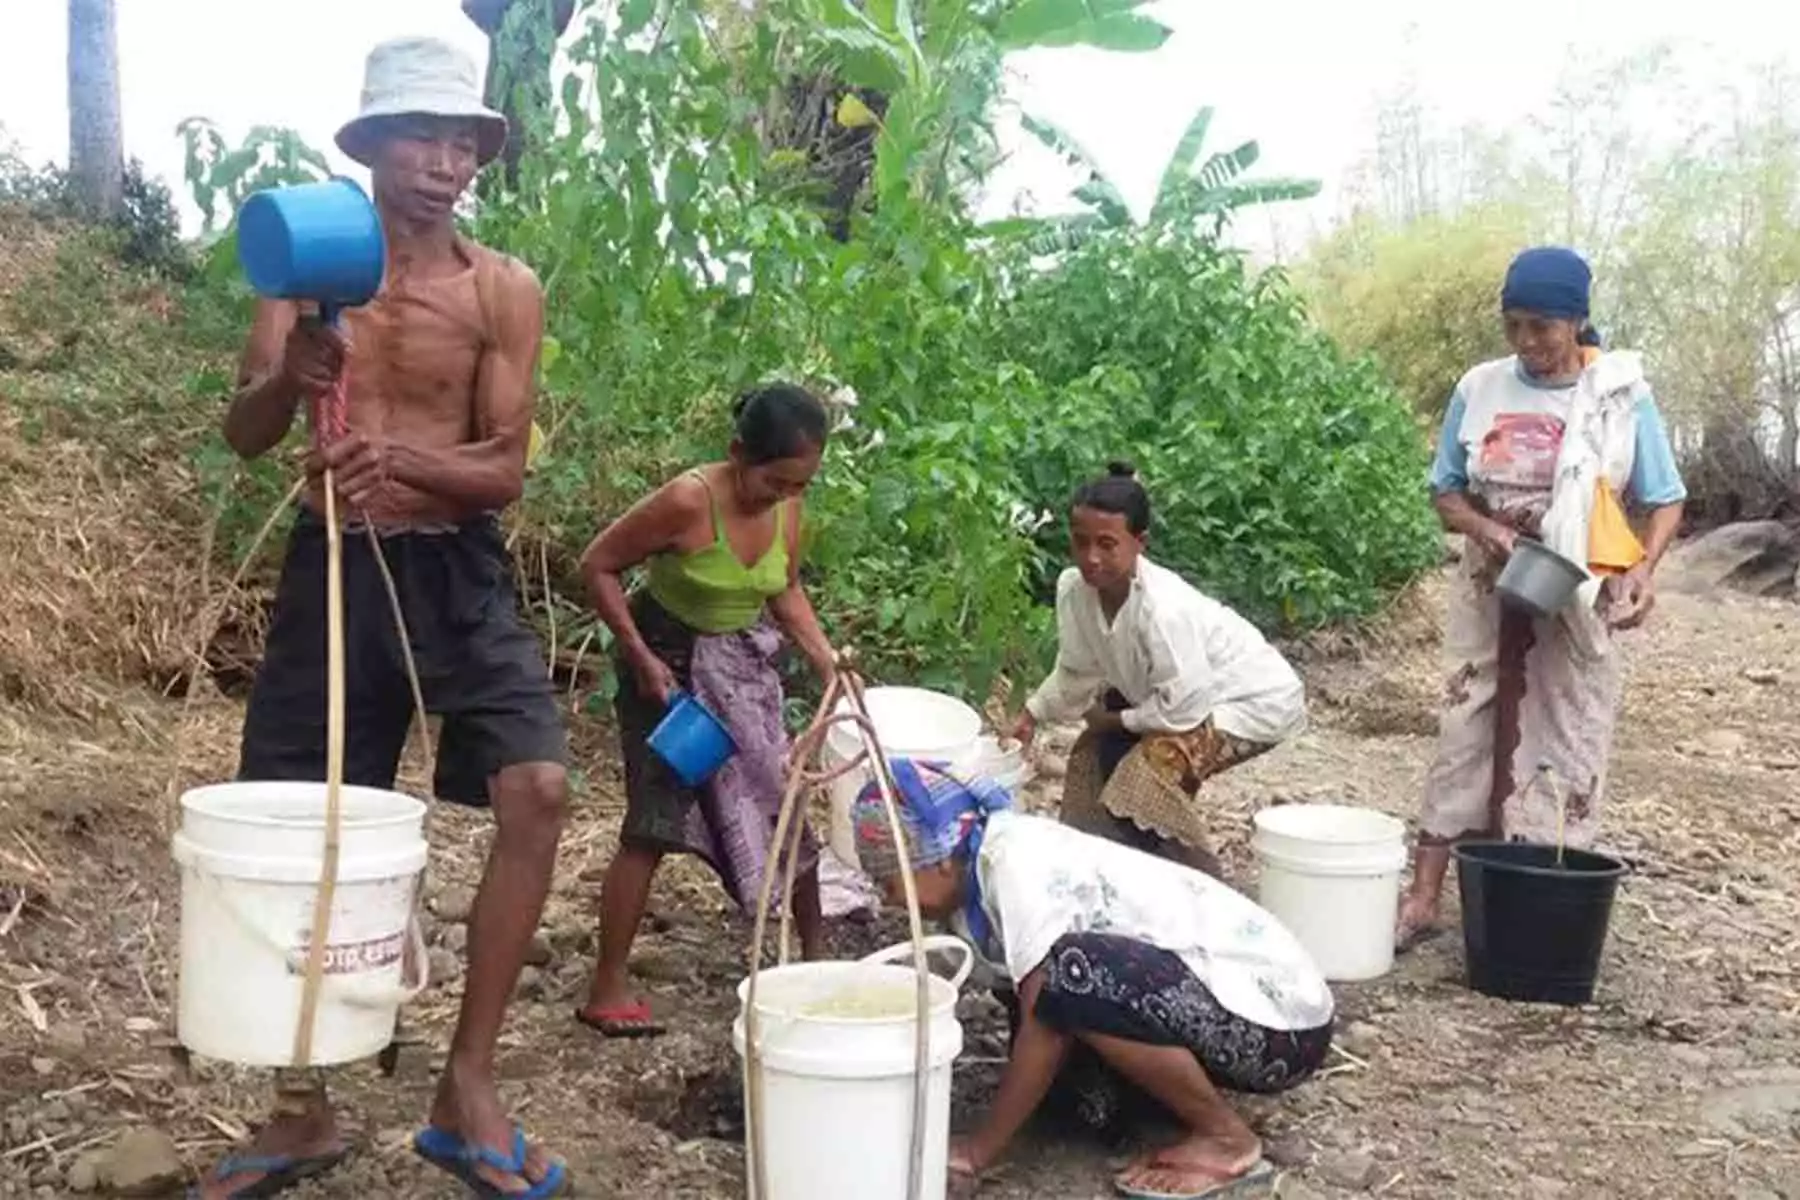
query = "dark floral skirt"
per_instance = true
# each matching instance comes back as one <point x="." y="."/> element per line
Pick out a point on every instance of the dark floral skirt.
<point x="1125" y="988"/>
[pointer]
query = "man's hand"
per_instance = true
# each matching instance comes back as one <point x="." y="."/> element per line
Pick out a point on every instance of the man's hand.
<point x="313" y="357"/>
<point x="1024" y="730"/>
<point x="1626" y="600"/>
<point x="358" y="464"/>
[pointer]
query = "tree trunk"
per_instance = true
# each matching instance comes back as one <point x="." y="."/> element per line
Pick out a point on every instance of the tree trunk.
<point x="96" y="140"/>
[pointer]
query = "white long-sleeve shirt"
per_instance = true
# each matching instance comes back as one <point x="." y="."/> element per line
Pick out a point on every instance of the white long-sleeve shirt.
<point x="1176" y="655"/>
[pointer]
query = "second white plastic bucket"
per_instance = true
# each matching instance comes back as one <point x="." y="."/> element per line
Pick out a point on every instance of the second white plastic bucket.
<point x="250" y="856"/>
<point x="838" y="1046"/>
<point x="911" y="723"/>
<point x="1331" y="874"/>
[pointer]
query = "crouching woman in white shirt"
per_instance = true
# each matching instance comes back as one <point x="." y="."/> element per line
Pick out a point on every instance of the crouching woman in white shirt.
<point x="1175" y="687"/>
<point x="1120" y="962"/>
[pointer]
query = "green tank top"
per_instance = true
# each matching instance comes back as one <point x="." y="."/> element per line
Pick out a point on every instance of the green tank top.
<point x="710" y="589"/>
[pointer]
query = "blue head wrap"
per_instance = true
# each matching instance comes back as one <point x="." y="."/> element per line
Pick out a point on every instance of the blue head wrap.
<point x="1549" y="280"/>
<point x="942" y="815"/>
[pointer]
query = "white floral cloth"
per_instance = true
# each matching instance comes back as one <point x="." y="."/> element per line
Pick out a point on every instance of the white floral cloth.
<point x="1041" y="880"/>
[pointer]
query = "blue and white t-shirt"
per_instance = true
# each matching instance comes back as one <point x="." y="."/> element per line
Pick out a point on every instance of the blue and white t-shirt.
<point x="1505" y="430"/>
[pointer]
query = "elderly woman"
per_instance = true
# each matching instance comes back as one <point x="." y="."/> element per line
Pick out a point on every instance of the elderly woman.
<point x="1544" y="444"/>
<point x="721" y="550"/>
<point x="1122" y="963"/>
<point x="1175" y="686"/>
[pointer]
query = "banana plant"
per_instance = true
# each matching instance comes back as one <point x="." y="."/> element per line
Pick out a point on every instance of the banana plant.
<point x="935" y="65"/>
<point x="1209" y="193"/>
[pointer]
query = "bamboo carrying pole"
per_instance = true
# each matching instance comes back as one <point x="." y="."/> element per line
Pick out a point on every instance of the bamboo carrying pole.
<point x="845" y="685"/>
<point x="332" y="408"/>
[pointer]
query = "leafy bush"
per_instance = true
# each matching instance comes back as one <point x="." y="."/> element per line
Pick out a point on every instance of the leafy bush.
<point x="148" y="232"/>
<point x="685" y="259"/>
<point x="1287" y="479"/>
<point x="1422" y="297"/>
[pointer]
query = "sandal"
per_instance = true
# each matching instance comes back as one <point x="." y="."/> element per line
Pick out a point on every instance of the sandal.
<point x="1246" y="1181"/>
<point x="277" y="1172"/>
<point x="630" y="1020"/>
<point x="449" y="1152"/>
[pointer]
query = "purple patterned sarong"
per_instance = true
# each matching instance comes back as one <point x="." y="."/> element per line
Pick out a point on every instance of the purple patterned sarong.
<point x="729" y="822"/>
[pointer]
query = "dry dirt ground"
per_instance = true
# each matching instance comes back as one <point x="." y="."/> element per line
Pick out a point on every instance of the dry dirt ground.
<point x="1681" y="1080"/>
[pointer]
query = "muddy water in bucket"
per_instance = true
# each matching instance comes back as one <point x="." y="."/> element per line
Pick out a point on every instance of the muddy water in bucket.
<point x="838" y="1045"/>
<point x="1535" y="928"/>
<point x="250" y="858"/>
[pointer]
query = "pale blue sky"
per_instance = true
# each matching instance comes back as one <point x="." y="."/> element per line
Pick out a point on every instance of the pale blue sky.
<point x="1303" y="76"/>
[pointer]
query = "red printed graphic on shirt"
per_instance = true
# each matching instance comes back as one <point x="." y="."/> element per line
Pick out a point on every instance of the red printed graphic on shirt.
<point x="1521" y="449"/>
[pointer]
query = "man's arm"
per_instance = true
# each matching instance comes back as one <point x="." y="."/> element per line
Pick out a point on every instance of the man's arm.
<point x="262" y="408"/>
<point x="488" y="474"/>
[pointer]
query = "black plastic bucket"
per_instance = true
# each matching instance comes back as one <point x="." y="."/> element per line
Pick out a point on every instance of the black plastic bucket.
<point x="1533" y="930"/>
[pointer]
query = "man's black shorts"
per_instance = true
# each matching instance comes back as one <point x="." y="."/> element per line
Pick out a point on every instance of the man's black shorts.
<point x="480" y="667"/>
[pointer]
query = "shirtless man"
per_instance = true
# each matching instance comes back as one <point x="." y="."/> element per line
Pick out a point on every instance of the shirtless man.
<point x="440" y="396"/>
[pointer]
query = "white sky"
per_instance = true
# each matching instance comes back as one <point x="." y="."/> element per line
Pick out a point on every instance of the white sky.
<point x="1302" y="76"/>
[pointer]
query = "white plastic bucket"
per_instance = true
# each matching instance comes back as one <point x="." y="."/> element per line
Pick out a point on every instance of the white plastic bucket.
<point x="250" y="856"/>
<point x="837" y="1091"/>
<point x="1331" y="874"/>
<point x="911" y="723"/>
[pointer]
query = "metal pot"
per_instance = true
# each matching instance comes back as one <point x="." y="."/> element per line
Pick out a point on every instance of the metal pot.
<point x="1538" y="580"/>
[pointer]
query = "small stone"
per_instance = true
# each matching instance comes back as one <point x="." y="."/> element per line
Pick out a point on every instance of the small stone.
<point x="1539" y="1188"/>
<point x="1290" y="1188"/>
<point x="531" y="982"/>
<point x="538" y="953"/>
<point x="1754" y="1194"/>
<point x="1349" y="1169"/>
<point x="454" y="904"/>
<point x="445" y="966"/>
<point x="455" y="938"/>
<point x="1720" y="743"/>
<point x="1289" y="1150"/>
<point x="84" y="1173"/>
<point x="144" y="1162"/>
<point x="1763" y="676"/>
<point x="67" y="1039"/>
<point x="56" y="1110"/>
<point x="1692" y="1057"/>
<point x="1359" y="1038"/>
<point x="1696" y="1150"/>
<point x="1052" y="766"/>
<point x="43" y="1066"/>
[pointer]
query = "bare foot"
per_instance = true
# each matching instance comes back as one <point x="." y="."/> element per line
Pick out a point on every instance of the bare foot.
<point x="1193" y="1165"/>
<point x="468" y="1106"/>
<point x="297" y="1143"/>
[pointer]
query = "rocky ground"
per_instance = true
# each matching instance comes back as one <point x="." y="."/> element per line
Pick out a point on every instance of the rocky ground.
<point x="1681" y="1080"/>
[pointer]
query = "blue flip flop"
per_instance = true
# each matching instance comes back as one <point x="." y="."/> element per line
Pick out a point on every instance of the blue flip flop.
<point x="450" y="1153"/>
<point x="279" y="1172"/>
<point x="1259" y="1174"/>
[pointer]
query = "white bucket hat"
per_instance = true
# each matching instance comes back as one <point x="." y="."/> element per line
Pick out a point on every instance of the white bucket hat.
<point x="420" y="76"/>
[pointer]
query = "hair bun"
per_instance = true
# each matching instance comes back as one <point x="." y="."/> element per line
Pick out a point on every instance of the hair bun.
<point x="1118" y="468"/>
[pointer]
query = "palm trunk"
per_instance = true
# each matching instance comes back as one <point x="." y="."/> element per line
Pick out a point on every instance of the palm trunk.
<point x="96" y="140"/>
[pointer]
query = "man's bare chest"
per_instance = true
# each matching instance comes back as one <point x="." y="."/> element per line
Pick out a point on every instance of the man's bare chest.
<point x="416" y="353"/>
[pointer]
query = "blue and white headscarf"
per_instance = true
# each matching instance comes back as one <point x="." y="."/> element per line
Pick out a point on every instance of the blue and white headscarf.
<point x="942" y="815"/>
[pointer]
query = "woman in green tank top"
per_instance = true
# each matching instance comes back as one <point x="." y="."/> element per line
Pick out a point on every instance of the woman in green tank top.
<point x="720" y="552"/>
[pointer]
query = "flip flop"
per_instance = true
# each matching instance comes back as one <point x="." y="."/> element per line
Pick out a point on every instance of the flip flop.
<point x="631" y="1020"/>
<point x="279" y="1172"/>
<point x="450" y="1153"/>
<point x="1255" y="1176"/>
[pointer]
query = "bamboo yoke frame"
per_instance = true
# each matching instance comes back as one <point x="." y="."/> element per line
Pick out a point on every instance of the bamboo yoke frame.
<point x="845" y="685"/>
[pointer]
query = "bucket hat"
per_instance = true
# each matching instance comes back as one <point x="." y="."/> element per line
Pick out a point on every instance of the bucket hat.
<point x="420" y="76"/>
